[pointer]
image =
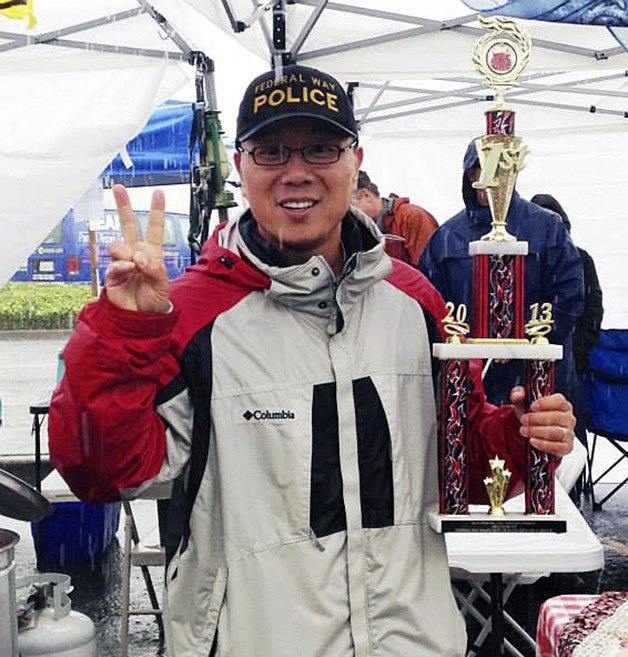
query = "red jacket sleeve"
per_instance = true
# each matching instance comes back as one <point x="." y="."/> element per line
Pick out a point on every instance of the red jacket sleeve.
<point x="104" y="433"/>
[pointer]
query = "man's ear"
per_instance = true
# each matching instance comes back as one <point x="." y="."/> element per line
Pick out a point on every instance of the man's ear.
<point x="359" y="155"/>
<point x="237" y="160"/>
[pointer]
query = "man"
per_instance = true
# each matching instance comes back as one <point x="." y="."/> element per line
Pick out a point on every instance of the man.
<point x="552" y="273"/>
<point x="288" y="376"/>
<point x="589" y="323"/>
<point x="398" y="217"/>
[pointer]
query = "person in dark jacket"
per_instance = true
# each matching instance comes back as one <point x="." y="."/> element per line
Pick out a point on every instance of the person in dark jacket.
<point x="553" y="273"/>
<point x="589" y="323"/>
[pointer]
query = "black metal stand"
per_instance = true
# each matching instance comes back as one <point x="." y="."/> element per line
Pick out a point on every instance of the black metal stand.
<point x="497" y="615"/>
<point x="39" y="411"/>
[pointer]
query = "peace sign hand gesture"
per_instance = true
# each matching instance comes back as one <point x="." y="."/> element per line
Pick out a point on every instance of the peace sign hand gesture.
<point x="136" y="278"/>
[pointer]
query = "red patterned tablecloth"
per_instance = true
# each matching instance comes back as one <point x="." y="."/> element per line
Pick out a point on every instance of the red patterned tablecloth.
<point x="566" y="621"/>
<point x="554" y="614"/>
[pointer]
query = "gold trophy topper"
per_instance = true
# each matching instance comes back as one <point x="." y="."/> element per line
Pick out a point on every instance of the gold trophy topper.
<point x="501" y="159"/>
<point x="501" y="55"/>
<point x="497" y="485"/>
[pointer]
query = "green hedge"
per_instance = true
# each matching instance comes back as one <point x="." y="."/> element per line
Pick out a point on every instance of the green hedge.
<point x="31" y="306"/>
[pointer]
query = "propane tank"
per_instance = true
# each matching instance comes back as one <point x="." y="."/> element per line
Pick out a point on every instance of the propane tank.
<point x="8" y="629"/>
<point x="48" y="627"/>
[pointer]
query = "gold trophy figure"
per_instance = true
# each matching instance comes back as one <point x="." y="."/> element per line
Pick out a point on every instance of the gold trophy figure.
<point x="497" y="485"/>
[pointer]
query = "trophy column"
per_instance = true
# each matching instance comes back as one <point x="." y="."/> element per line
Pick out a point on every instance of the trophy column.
<point x="540" y="466"/>
<point x="452" y="447"/>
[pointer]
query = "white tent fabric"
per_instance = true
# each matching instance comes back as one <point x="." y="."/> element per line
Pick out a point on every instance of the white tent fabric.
<point x="64" y="114"/>
<point x="53" y="152"/>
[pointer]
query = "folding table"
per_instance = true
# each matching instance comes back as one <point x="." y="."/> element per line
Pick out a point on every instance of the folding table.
<point x="515" y="558"/>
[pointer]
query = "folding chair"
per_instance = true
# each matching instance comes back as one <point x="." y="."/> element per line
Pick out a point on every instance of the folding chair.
<point x="143" y="552"/>
<point x="606" y="402"/>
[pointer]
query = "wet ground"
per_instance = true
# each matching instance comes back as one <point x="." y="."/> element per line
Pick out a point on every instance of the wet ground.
<point x="28" y="373"/>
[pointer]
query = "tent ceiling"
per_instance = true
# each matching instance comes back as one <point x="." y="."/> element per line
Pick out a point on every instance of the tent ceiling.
<point x="93" y="29"/>
<point x="66" y="107"/>
<point x="413" y="58"/>
<point x="317" y="30"/>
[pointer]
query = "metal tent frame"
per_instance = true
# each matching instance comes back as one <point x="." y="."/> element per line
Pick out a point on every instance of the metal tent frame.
<point x="466" y="90"/>
<point x="184" y="52"/>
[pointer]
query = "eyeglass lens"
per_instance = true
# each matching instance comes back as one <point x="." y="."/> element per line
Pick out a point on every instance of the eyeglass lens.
<point x="313" y="154"/>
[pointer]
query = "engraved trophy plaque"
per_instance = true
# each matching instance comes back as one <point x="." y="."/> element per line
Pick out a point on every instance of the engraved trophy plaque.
<point x="499" y="330"/>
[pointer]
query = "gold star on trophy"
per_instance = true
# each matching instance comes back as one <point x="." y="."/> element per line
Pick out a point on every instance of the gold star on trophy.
<point x="496" y="486"/>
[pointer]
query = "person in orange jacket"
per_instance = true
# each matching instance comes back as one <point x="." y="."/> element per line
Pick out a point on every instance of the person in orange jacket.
<point x="397" y="218"/>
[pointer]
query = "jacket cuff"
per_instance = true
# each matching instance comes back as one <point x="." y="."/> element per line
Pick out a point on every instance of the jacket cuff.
<point x="131" y="323"/>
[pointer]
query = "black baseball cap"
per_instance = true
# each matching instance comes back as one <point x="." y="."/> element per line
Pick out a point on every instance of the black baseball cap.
<point x="300" y="91"/>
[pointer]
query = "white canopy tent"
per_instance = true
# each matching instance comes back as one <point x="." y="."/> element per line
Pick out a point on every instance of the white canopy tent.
<point x="75" y="90"/>
<point x="417" y="96"/>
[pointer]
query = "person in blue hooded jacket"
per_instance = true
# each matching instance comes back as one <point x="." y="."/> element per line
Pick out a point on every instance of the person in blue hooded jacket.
<point x="553" y="273"/>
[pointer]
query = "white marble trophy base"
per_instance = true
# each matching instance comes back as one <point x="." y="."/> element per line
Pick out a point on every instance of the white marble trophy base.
<point x="490" y="247"/>
<point x="496" y="349"/>
<point x="484" y="522"/>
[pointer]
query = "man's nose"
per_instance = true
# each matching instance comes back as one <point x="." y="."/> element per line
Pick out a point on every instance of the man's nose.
<point x="297" y="166"/>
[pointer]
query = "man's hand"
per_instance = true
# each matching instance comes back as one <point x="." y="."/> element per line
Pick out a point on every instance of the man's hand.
<point x="549" y="424"/>
<point x="136" y="278"/>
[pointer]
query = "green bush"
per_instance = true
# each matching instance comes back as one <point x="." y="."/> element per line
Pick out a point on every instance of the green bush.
<point x="33" y="306"/>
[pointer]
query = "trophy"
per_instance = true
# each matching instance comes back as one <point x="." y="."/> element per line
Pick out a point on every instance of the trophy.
<point x="499" y="328"/>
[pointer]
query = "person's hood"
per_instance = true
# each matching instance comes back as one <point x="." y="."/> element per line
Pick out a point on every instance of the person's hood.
<point x="470" y="161"/>
<point x="548" y="202"/>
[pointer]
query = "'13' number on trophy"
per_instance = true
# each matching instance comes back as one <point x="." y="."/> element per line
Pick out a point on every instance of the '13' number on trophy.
<point x="546" y="313"/>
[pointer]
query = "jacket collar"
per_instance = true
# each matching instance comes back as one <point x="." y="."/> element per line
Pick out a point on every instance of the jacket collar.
<point x="311" y="286"/>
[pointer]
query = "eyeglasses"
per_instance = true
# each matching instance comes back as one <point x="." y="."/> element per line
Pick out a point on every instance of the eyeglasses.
<point x="278" y="155"/>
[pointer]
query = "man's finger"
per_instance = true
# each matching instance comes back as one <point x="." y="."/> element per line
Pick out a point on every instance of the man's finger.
<point x="155" y="227"/>
<point x="551" y="447"/>
<point x="128" y="223"/>
<point x="120" y="251"/>
<point x="548" y="418"/>
<point x="118" y="272"/>
<point x="555" y="402"/>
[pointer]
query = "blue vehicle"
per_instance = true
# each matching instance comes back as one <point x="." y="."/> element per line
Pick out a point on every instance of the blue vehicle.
<point x="63" y="257"/>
